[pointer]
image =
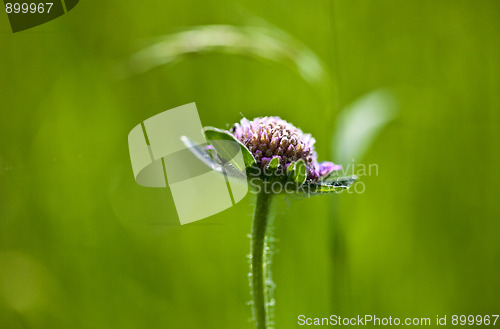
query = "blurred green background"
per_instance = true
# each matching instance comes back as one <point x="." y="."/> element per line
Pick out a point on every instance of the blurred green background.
<point x="83" y="246"/>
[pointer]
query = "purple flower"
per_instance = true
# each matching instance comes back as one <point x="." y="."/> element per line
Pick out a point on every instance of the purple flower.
<point x="269" y="137"/>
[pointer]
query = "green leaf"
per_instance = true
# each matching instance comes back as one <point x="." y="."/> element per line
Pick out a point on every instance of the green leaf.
<point x="208" y="156"/>
<point x="214" y="134"/>
<point x="299" y="172"/>
<point x="338" y="185"/>
<point x="202" y="152"/>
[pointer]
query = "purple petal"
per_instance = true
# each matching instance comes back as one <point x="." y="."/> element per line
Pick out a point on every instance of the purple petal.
<point x="326" y="167"/>
<point x="312" y="172"/>
<point x="264" y="162"/>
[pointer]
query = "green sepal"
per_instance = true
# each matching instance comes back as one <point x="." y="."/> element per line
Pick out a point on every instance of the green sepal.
<point x="290" y="169"/>
<point x="298" y="174"/>
<point x="273" y="165"/>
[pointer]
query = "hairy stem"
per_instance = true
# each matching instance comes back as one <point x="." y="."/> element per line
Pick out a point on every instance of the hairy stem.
<point x="259" y="261"/>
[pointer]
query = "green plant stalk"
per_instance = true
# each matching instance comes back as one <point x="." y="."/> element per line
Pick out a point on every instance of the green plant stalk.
<point x="260" y="261"/>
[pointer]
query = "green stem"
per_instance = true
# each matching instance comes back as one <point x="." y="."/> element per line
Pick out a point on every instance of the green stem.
<point x="259" y="261"/>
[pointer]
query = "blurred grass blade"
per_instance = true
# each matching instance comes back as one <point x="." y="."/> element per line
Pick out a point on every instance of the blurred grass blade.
<point x="359" y="124"/>
<point x="268" y="43"/>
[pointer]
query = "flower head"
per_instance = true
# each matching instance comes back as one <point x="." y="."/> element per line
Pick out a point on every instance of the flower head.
<point x="270" y="137"/>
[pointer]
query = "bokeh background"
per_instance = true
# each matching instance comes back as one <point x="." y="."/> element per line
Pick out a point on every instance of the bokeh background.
<point x="83" y="246"/>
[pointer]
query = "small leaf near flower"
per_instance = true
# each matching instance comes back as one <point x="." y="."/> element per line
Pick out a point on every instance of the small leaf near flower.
<point x="299" y="172"/>
<point x="214" y="134"/>
<point x="273" y="165"/>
